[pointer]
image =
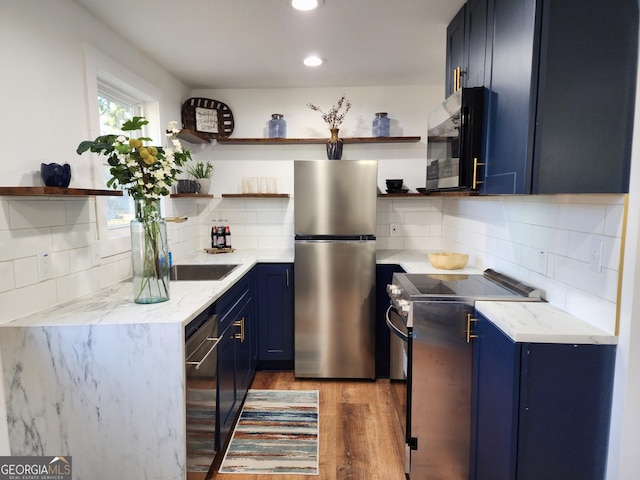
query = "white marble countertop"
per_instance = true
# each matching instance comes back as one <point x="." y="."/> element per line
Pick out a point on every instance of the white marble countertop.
<point x="521" y="321"/>
<point x="542" y="323"/>
<point x="114" y="305"/>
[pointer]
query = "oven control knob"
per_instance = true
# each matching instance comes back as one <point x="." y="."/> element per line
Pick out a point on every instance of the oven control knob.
<point x="393" y="291"/>
<point x="403" y="307"/>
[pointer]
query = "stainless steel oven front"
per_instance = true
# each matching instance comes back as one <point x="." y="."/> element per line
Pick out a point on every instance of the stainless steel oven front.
<point x="430" y="319"/>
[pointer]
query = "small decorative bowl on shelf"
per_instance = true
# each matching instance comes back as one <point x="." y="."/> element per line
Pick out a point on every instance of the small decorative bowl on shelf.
<point x="55" y="175"/>
<point x="448" y="261"/>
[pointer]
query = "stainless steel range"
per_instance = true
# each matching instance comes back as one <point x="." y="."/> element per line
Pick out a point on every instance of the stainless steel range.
<point x="431" y="317"/>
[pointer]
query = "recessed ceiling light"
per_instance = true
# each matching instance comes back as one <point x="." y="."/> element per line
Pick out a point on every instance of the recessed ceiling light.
<point x="313" y="61"/>
<point x="305" y="4"/>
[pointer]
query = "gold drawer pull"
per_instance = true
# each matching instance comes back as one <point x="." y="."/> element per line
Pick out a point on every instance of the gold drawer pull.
<point x="469" y="335"/>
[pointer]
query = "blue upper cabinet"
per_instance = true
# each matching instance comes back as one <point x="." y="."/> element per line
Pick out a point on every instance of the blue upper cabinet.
<point x="509" y="107"/>
<point x="561" y="80"/>
<point x="476" y="43"/>
<point x="467" y="42"/>
<point x="455" y="52"/>
<point x="586" y="96"/>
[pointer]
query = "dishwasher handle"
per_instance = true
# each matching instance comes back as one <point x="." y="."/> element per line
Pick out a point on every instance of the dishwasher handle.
<point x="197" y="363"/>
<point x="392" y="327"/>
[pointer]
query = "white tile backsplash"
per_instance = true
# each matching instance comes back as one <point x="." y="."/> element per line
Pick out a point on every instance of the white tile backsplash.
<point x="546" y="241"/>
<point x="542" y="240"/>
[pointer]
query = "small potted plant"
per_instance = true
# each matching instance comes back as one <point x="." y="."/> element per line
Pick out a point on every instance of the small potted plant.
<point x="202" y="172"/>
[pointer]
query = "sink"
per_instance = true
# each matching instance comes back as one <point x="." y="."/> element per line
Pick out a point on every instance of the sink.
<point x="201" y="271"/>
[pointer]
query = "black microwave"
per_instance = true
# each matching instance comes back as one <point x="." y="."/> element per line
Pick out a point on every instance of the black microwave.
<point x="454" y="145"/>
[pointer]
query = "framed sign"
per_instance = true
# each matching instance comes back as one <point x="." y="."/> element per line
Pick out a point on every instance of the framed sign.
<point x="208" y="117"/>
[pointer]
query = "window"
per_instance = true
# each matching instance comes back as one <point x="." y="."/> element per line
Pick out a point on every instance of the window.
<point x="115" y="93"/>
<point x="115" y="108"/>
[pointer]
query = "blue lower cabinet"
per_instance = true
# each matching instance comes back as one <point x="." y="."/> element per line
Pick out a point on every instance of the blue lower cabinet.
<point x="228" y="402"/>
<point x="539" y="410"/>
<point x="275" y="316"/>
<point x="236" y="352"/>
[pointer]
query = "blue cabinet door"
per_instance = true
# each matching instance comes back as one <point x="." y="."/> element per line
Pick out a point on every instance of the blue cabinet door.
<point x="565" y="408"/>
<point x="494" y="405"/>
<point x="227" y="402"/>
<point x="476" y="43"/>
<point x="586" y="87"/>
<point x="275" y="316"/>
<point x="243" y="335"/>
<point x="455" y="50"/>
<point x="510" y="106"/>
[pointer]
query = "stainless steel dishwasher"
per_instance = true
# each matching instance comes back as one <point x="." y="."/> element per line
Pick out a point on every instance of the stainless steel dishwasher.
<point x="201" y="363"/>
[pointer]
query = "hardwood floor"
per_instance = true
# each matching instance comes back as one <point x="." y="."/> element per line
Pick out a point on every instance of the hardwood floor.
<point x="357" y="439"/>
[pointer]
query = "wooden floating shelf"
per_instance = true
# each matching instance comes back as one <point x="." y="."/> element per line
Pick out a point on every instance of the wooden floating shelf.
<point x="189" y="195"/>
<point x="57" y="191"/>
<point x="430" y="194"/>
<point x="191" y="136"/>
<point x="314" y="141"/>
<point x="255" y="195"/>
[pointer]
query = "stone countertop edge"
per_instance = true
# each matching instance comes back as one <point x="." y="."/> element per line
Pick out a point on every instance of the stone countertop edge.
<point x="541" y="322"/>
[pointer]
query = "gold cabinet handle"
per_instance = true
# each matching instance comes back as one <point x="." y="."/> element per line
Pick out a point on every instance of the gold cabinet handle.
<point x="457" y="78"/>
<point x="476" y="164"/>
<point x="239" y="323"/>
<point x="469" y="335"/>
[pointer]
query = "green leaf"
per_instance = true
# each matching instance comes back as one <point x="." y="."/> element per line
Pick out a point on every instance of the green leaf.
<point x="136" y="123"/>
<point x="84" y="146"/>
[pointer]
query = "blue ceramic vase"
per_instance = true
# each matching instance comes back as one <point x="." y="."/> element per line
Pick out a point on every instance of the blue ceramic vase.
<point x="55" y="175"/>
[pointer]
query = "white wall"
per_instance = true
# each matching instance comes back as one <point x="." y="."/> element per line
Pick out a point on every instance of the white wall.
<point x="44" y="100"/>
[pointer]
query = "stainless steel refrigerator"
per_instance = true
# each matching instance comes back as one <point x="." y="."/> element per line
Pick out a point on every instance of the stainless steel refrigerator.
<point x="335" y="265"/>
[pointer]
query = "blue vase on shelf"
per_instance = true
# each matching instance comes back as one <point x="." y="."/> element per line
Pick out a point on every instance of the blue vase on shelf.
<point x="380" y="126"/>
<point x="277" y="126"/>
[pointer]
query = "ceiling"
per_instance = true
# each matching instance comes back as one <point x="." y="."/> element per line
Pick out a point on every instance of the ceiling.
<point x="261" y="43"/>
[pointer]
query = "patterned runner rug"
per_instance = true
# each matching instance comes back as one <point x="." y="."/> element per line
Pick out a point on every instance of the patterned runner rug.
<point x="277" y="433"/>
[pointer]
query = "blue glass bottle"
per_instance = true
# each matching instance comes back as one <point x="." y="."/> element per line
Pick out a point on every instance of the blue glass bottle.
<point x="277" y="126"/>
<point x="381" y="125"/>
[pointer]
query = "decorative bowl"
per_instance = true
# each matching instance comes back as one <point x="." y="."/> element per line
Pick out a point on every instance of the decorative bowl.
<point x="55" y="175"/>
<point x="394" y="184"/>
<point x="448" y="261"/>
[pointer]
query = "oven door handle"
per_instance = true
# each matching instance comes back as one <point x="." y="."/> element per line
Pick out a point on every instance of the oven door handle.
<point x="393" y="328"/>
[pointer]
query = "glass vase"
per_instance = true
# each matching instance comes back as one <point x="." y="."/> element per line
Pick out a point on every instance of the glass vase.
<point x="277" y="126"/>
<point x="149" y="253"/>
<point x="334" y="146"/>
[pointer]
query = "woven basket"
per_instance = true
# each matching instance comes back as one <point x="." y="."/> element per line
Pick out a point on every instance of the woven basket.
<point x="223" y="112"/>
<point x="448" y="261"/>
